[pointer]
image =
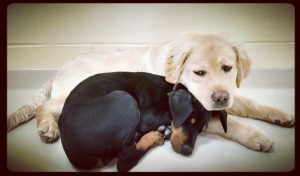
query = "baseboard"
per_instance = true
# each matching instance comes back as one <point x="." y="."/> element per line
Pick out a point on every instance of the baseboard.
<point x="282" y="78"/>
<point x="258" y="78"/>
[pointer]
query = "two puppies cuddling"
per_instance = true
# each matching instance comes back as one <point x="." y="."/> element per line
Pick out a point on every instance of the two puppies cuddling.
<point x="121" y="114"/>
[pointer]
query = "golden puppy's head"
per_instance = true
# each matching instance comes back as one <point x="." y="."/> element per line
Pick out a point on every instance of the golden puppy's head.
<point x="210" y="66"/>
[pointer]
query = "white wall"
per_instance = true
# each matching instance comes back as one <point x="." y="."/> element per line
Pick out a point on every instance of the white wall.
<point x="44" y="36"/>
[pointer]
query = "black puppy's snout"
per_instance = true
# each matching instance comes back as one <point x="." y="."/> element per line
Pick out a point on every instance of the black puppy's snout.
<point x="186" y="150"/>
<point x="220" y="97"/>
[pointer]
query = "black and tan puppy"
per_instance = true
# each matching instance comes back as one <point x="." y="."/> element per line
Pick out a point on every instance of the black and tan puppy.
<point x="104" y="115"/>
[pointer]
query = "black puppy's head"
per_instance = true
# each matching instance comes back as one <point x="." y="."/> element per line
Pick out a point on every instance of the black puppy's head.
<point x="188" y="119"/>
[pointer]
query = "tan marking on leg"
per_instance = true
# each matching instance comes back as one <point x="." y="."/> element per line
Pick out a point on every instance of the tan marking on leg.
<point x="150" y="140"/>
<point x="99" y="163"/>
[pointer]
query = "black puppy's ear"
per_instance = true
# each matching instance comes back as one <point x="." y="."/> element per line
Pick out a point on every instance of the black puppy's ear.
<point x="223" y="119"/>
<point x="180" y="103"/>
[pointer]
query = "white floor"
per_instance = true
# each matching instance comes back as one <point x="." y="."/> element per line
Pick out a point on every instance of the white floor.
<point x="25" y="151"/>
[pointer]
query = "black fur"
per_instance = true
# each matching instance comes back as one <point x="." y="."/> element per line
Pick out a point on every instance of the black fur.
<point x="103" y="113"/>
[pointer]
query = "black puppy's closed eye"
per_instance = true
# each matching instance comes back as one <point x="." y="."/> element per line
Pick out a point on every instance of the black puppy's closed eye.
<point x="200" y="72"/>
<point x="226" y="68"/>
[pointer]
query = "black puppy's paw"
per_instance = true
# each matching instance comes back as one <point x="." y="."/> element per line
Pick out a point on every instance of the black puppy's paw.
<point x="165" y="130"/>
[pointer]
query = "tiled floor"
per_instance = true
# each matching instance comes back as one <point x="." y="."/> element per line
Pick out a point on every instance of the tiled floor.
<point x="212" y="153"/>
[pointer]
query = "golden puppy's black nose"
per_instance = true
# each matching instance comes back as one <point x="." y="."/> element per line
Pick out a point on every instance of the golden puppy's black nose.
<point x="220" y="97"/>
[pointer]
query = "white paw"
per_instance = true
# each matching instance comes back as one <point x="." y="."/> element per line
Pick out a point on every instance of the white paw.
<point x="257" y="140"/>
<point x="48" y="130"/>
<point x="285" y="120"/>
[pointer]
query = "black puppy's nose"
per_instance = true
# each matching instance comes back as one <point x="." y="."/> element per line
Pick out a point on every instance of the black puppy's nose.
<point x="220" y="97"/>
<point x="186" y="150"/>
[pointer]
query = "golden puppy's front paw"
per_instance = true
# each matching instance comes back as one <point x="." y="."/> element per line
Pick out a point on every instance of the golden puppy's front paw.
<point x="258" y="140"/>
<point x="285" y="120"/>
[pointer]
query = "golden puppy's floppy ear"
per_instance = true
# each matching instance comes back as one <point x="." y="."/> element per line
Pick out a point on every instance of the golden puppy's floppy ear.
<point x="243" y="63"/>
<point x="175" y="64"/>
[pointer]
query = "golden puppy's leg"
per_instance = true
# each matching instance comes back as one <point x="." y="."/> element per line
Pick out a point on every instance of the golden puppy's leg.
<point x="247" y="135"/>
<point x="46" y="116"/>
<point x="246" y="107"/>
